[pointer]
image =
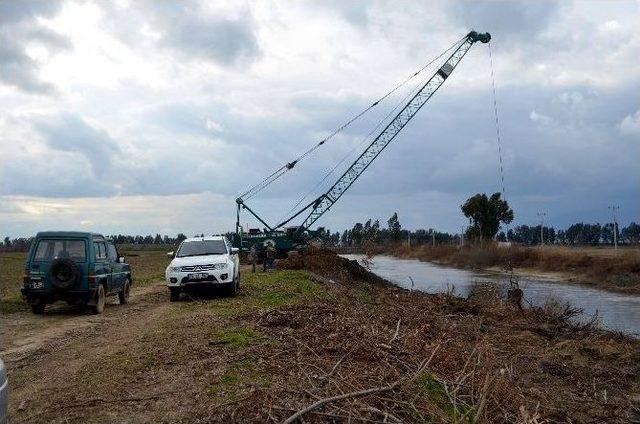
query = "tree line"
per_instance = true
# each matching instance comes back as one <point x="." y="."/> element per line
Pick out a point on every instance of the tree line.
<point x="487" y="214"/>
<point x="576" y="234"/>
<point x="21" y="244"/>
<point x="373" y="232"/>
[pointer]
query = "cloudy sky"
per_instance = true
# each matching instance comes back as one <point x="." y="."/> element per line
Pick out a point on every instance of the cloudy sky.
<point x="152" y="116"/>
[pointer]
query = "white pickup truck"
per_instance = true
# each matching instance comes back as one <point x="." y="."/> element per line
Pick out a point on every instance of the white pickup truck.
<point x="204" y="262"/>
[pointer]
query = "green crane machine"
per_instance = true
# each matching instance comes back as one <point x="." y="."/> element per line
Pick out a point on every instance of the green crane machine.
<point x="285" y="238"/>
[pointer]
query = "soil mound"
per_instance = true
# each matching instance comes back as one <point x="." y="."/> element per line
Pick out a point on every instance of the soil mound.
<point x="328" y="263"/>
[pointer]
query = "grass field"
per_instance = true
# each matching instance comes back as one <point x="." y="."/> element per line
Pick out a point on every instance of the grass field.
<point x="11" y="271"/>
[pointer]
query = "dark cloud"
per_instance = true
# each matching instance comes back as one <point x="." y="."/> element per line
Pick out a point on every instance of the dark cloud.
<point x="353" y="11"/>
<point x="505" y="19"/>
<point x="214" y="38"/>
<point x="19" y="70"/>
<point x="69" y="133"/>
<point x="15" y="11"/>
<point x="188" y="29"/>
<point x="18" y="26"/>
<point x="570" y="143"/>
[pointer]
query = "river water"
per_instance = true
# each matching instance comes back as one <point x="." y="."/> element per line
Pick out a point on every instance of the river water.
<point x="615" y="311"/>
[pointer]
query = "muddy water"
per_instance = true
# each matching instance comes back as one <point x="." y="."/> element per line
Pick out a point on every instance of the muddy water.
<point x="615" y="311"/>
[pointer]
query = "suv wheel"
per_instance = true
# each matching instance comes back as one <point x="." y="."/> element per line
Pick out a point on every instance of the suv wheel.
<point x="232" y="288"/>
<point x="174" y="294"/>
<point x="98" y="308"/>
<point x="123" y="296"/>
<point x="38" y="308"/>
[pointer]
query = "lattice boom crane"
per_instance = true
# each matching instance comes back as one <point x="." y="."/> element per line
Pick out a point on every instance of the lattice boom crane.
<point x="325" y="201"/>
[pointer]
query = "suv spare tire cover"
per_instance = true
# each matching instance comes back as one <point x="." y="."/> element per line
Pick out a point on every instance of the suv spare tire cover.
<point x="63" y="273"/>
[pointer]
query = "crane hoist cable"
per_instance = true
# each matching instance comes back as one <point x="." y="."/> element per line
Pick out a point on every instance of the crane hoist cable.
<point x="353" y="149"/>
<point x="513" y="283"/>
<point x="290" y="165"/>
<point x="495" y="112"/>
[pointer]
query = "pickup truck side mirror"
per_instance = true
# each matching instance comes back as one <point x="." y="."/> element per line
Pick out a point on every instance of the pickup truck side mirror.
<point x="234" y="250"/>
<point x="170" y="254"/>
<point x="121" y="259"/>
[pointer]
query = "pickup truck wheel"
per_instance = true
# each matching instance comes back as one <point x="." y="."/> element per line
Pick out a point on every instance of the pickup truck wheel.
<point x="174" y="294"/>
<point x="98" y="308"/>
<point x="38" y="308"/>
<point x="123" y="296"/>
<point x="238" y="281"/>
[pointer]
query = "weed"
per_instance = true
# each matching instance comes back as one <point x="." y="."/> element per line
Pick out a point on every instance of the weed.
<point x="237" y="337"/>
<point x="438" y="395"/>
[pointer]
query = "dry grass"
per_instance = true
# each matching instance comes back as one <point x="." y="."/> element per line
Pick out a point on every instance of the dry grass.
<point x="288" y="342"/>
<point x="11" y="271"/>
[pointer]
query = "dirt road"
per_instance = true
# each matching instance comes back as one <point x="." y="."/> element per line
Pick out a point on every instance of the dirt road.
<point x="22" y="334"/>
<point x="45" y="354"/>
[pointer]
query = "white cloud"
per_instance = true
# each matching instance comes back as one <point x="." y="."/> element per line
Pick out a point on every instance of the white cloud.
<point x="630" y="125"/>
<point x="571" y="98"/>
<point x="540" y="118"/>
<point x="214" y="126"/>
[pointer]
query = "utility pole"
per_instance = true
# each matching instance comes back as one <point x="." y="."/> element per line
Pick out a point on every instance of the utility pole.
<point x="433" y="238"/>
<point x="542" y="215"/>
<point x="615" y="226"/>
<point x="462" y="236"/>
<point x="409" y="239"/>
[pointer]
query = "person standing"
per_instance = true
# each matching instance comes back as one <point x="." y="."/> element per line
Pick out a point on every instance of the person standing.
<point x="253" y="257"/>
<point x="269" y="258"/>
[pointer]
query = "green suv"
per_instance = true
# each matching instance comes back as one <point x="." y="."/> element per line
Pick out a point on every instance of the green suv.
<point x="79" y="268"/>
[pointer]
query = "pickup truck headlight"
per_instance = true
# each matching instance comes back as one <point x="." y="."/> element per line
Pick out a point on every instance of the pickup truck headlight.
<point x="220" y="266"/>
<point x="175" y="268"/>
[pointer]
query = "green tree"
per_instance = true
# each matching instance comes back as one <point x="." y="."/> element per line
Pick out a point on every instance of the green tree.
<point x="486" y="215"/>
<point x="344" y="240"/>
<point x="357" y="233"/>
<point x="395" y="228"/>
<point x="631" y="233"/>
<point x="375" y="229"/>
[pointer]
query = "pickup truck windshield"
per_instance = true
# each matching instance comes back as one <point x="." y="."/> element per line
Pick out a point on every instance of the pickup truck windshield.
<point x="202" y="248"/>
<point x="49" y="250"/>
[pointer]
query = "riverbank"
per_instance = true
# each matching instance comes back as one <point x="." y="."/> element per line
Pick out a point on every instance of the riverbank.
<point x="594" y="267"/>
<point x="321" y="337"/>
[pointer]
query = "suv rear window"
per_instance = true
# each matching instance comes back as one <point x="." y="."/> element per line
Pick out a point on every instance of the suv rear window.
<point x="201" y="248"/>
<point x="49" y="250"/>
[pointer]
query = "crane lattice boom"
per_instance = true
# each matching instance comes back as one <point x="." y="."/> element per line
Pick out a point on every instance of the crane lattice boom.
<point x="325" y="201"/>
